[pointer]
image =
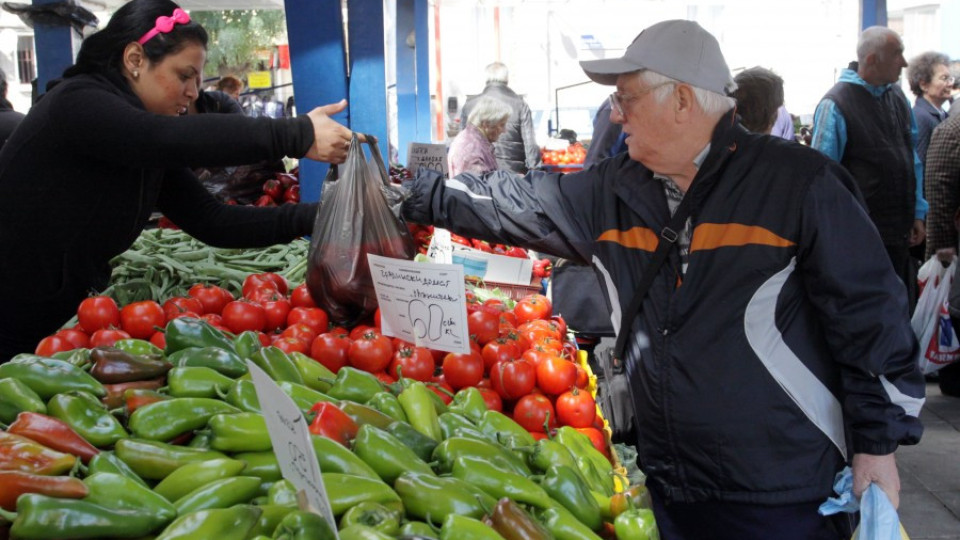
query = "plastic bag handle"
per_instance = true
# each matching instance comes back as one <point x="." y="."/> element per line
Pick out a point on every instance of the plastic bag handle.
<point x="333" y="173"/>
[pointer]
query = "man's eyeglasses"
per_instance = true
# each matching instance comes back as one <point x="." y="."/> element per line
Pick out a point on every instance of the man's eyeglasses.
<point x="619" y="102"/>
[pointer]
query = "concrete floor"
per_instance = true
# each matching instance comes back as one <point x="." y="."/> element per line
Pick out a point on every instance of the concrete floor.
<point x="930" y="472"/>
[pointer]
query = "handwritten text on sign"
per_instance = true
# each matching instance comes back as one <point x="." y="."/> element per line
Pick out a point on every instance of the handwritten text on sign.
<point x="430" y="156"/>
<point x="423" y="303"/>
<point x="291" y="442"/>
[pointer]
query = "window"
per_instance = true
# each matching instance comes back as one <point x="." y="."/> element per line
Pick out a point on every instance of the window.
<point x="26" y="62"/>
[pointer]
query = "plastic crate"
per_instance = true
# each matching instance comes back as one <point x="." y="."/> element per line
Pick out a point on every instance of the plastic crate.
<point x="512" y="290"/>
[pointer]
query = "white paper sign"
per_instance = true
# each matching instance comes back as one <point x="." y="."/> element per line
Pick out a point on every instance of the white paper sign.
<point x="441" y="247"/>
<point x="423" y="303"/>
<point x="431" y="156"/>
<point x="500" y="268"/>
<point x="291" y="443"/>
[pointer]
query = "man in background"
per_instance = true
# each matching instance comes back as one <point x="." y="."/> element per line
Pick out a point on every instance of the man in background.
<point x="759" y="96"/>
<point x="9" y="118"/>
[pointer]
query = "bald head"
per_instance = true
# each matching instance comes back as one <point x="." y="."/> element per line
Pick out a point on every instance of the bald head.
<point x="880" y="55"/>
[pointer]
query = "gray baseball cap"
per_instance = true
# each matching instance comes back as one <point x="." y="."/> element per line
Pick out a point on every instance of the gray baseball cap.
<point x="679" y="49"/>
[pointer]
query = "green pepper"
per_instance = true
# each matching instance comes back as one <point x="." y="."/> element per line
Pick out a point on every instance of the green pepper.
<point x="432" y="498"/>
<point x="594" y="478"/>
<point x="548" y="452"/>
<point x="201" y="439"/>
<point x="373" y="515"/>
<point x="247" y="343"/>
<point x="333" y="457"/>
<point x="282" y="493"/>
<point x="469" y="402"/>
<point x="270" y="518"/>
<point x="184" y="332"/>
<point x="301" y="525"/>
<point x="88" y="417"/>
<point x="49" y="377"/>
<point x="344" y="491"/>
<point x="112" y="365"/>
<point x="421" y="445"/>
<point x="315" y="375"/>
<point x="564" y="526"/>
<point x="451" y="421"/>
<point x="449" y="450"/>
<point x="362" y="532"/>
<point x="469" y="433"/>
<point x="636" y="524"/>
<point x="225" y="362"/>
<point x="261" y="464"/>
<point x="386" y="455"/>
<point x="165" y="420"/>
<point x="108" y="462"/>
<point x="303" y="396"/>
<point x="197" y="382"/>
<point x="277" y="365"/>
<point x="137" y="346"/>
<point x="243" y="395"/>
<point x="234" y="523"/>
<point x="418" y="528"/>
<point x="48" y="518"/>
<point x="240" y="432"/>
<point x="418" y="406"/>
<point x="387" y="403"/>
<point x="222" y="493"/>
<point x="499" y="425"/>
<point x="512" y="521"/>
<point x="361" y="414"/>
<point x="465" y="528"/>
<point x="498" y="483"/>
<point x="76" y="357"/>
<point x="565" y="486"/>
<point x="155" y="460"/>
<point x="121" y="493"/>
<point x="354" y="385"/>
<point x="16" y="397"/>
<point x="196" y="474"/>
<point x="580" y="446"/>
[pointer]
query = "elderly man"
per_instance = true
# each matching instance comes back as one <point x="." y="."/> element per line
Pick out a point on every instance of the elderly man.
<point x="865" y="122"/>
<point x="765" y="357"/>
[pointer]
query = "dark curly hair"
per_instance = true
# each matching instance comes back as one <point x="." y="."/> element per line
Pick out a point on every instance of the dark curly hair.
<point x="759" y="94"/>
<point x="103" y="51"/>
<point x="920" y="69"/>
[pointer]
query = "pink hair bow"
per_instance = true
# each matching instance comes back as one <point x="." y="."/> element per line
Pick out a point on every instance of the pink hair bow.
<point x="165" y="24"/>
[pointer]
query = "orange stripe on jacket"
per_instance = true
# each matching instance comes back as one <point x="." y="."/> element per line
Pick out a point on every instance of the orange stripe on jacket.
<point x="716" y="235"/>
<point x="635" y="237"/>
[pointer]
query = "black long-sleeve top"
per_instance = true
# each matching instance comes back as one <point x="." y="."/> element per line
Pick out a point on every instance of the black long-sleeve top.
<point x="84" y="171"/>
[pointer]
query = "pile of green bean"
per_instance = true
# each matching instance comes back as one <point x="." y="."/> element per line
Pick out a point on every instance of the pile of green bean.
<point x="163" y="263"/>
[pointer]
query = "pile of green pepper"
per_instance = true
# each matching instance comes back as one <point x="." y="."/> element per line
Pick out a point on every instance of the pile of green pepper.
<point x="189" y="455"/>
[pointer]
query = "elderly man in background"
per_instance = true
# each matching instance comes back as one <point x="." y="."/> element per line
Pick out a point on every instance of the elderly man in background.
<point x="765" y="356"/>
<point x="517" y="148"/>
<point x="865" y="122"/>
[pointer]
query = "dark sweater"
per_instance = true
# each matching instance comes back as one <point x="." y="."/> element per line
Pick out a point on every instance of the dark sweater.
<point x="83" y="172"/>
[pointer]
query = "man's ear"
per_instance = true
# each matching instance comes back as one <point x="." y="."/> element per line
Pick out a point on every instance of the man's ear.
<point x="684" y="100"/>
<point x="133" y="57"/>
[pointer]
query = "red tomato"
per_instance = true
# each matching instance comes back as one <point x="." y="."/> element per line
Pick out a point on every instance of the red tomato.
<point x="483" y="326"/>
<point x="561" y="325"/>
<point x="212" y="297"/>
<point x="496" y="350"/>
<point x="212" y="319"/>
<point x="385" y="377"/>
<point x="300" y="331"/>
<point x="508" y="318"/>
<point x="597" y="439"/>
<point x="289" y="345"/>
<point x="556" y="375"/>
<point x="533" y="411"/>
<point x="106" y="337"/>
<point x="535" y="306"/>
<point x="492" y="399"/>
<point x="142" y="319"/>
<point x="78" y="338"/>
<point x="98" y="312"/>
<point x="576" y="408"/>
<point x="314" y="317"/>
<point x="333" y="423"/>
<point x="263" y="295"/>
<point x="522" y="342"/>
<point x="276" y="312"/>
<point x="181" y="304"/>
<point x="462" y="370"/>
<point x="53" y="344"/>
<point x="241" y="315"/>
<point x="441" y="388"/>
<point x="253" y="282"/>
<point x="413" y="363"/>
<point x="536" y="356"/>
<point x="371" y="352"/>
<point x="300" y="296"/>
<point x="277" y="280"/>
<point x="513" y="379"/>
<point x="538" y="436"/>
<point x="159" y="339"/>
<point x="376" y="319"/>
<point x="583" y="379"/>
<point x="359" y="330"/>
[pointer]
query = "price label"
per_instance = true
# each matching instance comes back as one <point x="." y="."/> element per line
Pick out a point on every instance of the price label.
<point x="430" y="156"/>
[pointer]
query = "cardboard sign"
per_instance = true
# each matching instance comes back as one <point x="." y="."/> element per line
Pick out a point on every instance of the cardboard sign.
<point x="259" y="79"/>
<point x="431" y="156"/>
<point x="493" y="267"/>
<point x="440" y="249"/>
<point x="291" y="443"/>
<point x="423" y="303"/>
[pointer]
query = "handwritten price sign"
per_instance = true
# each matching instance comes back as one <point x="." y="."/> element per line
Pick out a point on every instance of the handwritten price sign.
<point x="423" y="303"/>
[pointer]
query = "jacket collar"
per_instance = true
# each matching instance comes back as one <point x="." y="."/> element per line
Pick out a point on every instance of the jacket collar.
<point x="928" y="108"/>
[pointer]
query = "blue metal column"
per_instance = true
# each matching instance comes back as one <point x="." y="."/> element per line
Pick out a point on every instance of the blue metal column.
<point x="421" y="15"/>
<point x="368" y="78"/>
<point x="873" y="13"/>
<point x="315" y="30"/>
<point x="54" y="44"/>
<point x="406" y="80"/>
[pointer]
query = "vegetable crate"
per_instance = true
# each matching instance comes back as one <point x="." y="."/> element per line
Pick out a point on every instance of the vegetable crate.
<point x="618" y="467"/>
<point x="514" y="291"/>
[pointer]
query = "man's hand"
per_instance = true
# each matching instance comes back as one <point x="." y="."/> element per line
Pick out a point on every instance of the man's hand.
<point x="918" y="233"/>
<point x="331" y="141"/>
<point x="879" y="470"/>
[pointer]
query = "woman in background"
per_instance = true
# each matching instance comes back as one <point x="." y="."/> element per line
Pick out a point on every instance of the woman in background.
<point x="472" y="150"/>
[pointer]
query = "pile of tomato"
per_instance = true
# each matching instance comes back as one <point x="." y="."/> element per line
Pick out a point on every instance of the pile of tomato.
<point x="520" y="357"/>
<point x="423" y="235"/>
<point x="571" y="155"/>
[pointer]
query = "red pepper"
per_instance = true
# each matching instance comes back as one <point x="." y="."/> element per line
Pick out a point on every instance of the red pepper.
<point x="287" y="180"/>
<point x="116" y="392"/>
<point x="333" y="423"/>
<point x="265" y="200"/>
<point x="16" y="483"/>
<point x="138" y="397"/>
<point x="19" y="453"/>
<point x="52" y="433"/>
<point x="273" y="188"/>
<point x="292" y="194"/>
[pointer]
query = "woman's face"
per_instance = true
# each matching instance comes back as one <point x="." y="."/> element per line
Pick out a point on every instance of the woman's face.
<point x="493" y="132"/>
<point x="169" y="86"/>
<point x="938" y="89"/>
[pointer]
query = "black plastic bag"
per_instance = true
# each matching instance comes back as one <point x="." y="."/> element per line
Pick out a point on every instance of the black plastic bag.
<point x="354" y="219"/>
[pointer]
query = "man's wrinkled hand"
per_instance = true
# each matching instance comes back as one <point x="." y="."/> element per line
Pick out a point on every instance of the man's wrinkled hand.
<point x="331" y="140"/>
<point x="879" y="470"/>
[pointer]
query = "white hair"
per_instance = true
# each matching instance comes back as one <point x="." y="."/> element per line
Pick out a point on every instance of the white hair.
<point x="872" y="40"/>
<point x="489" y="111"/>
<point x="497" y="72"/>
<point x="711" y="103"/>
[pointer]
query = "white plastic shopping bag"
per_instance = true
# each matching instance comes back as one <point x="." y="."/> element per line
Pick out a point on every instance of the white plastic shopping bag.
<point x="939" y="344"/>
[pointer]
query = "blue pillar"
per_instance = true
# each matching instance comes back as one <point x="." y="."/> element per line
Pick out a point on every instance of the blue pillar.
<point x="424" y="125"/>
<point x="315" y="30"/>
<point x="368" y="78"/>
<point x="873" y="13"/>
<point x="55" y="48"/>
<point x="413" y="75"/>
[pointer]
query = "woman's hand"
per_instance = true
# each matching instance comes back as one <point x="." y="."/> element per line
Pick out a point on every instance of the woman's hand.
<point x="331" y="140"/>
